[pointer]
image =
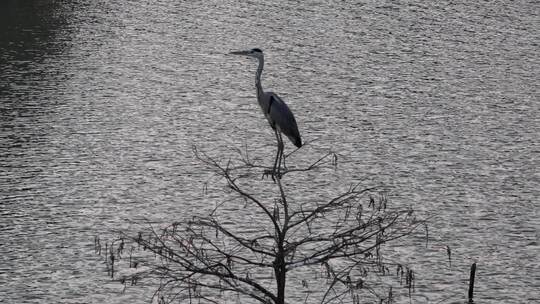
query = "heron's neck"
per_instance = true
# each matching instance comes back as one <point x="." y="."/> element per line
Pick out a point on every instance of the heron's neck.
<point x="258" y="76"/>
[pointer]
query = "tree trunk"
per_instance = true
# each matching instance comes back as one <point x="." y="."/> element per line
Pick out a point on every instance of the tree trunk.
<point x="279" y="270"/>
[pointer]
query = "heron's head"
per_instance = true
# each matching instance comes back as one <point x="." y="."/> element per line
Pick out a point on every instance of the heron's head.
<point x="255" y="53"/>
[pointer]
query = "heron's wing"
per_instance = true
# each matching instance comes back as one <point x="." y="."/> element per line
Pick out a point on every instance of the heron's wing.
<point x="282" y="118"/>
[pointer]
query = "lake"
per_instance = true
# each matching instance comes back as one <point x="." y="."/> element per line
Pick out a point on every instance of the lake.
<point x="102" y="102"/>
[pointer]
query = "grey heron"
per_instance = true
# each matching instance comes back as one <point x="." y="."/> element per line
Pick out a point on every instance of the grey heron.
<point x="275" y="110"/>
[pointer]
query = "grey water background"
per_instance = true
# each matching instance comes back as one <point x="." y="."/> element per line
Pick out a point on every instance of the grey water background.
<point x="102" y="101"/>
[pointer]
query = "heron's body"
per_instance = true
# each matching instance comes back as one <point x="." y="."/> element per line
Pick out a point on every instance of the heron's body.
<point x="275" y="110"/>
<point x="280" y="116"/>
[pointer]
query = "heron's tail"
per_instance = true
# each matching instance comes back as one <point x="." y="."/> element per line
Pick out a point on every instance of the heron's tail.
<point x="293" y="134"/>
<point x="297" y="141"/>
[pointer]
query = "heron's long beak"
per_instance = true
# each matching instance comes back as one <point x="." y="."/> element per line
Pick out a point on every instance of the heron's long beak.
<point x="239" y="53"/>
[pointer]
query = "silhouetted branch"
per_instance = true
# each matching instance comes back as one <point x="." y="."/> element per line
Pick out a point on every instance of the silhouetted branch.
<point x="207" y="258"/>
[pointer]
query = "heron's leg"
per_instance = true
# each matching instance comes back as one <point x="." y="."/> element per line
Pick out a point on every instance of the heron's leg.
<point x="272" y="172"/>
<point x="275" y="169"/>
<point x="283" y="157"/>
<point x="280" y="154"/>
<point x="277" y="153"/>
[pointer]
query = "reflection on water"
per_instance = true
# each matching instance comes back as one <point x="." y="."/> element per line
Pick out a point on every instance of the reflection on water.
<point x="101" y="102"/>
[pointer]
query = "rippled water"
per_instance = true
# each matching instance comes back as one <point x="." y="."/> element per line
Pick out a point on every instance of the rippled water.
<point x="102" y="101"/>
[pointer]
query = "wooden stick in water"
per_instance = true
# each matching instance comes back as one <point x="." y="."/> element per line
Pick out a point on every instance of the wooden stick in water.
<point x="471" y="282"/>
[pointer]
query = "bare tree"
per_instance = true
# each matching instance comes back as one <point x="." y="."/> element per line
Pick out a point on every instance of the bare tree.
<point x="255" y="244"/>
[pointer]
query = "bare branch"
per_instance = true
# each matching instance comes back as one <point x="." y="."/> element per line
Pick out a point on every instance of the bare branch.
<point x="205" y="257"/>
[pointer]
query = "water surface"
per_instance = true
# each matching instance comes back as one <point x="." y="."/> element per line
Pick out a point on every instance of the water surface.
<point x="101" y="103"/>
